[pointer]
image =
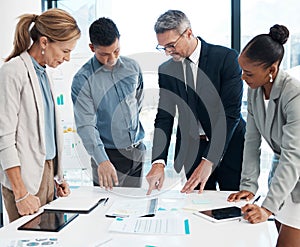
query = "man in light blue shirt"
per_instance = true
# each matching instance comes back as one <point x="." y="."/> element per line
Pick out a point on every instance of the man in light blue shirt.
<point x="107" y="94"/>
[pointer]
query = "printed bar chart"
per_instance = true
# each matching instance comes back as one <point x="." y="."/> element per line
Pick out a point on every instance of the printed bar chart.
<point x="60" y="99"/>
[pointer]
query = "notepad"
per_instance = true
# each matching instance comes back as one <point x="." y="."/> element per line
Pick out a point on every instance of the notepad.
<point x="138" y="208"/>
<point x="74" y="204"/>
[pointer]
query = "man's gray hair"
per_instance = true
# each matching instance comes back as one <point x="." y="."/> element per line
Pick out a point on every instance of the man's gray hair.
<point x="172" y="20"/>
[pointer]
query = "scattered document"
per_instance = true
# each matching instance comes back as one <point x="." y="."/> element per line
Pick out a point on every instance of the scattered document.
<point x="137" y="208"/>
<point x="169" y="194"/>
<point x="151" y="226"/>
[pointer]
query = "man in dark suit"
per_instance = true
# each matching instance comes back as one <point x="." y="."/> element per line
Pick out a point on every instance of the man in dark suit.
<point x="202" y="83"/>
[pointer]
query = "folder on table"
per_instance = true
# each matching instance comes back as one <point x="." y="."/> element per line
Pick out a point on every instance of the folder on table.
<point x="76" y="205"/>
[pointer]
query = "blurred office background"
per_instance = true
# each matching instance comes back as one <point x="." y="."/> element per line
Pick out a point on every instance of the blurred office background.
<point x="231" y="23"/>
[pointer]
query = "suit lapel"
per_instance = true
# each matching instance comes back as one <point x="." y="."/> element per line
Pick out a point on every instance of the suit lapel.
<point x="269" y="116"/>
<point x="271" y="111"/>
<point x="202" y="89"/>
<point x="260" y="109"/>
<point x="202" y="63"/>
<point x="37" y="93"/>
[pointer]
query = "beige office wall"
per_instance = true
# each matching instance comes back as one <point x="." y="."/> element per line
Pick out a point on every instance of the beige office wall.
<point x="9" y="12"/>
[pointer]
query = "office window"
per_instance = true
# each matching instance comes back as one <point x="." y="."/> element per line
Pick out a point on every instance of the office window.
<point x="135" y="20"/>
<point x="257" y="16"/>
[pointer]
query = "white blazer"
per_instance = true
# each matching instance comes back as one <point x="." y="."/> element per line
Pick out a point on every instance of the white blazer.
<point x="22" y="133"/>
<point x="280" y="126"/>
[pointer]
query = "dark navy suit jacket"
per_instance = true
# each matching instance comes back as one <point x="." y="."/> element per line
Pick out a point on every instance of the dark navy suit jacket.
<point x="219" y="89"/>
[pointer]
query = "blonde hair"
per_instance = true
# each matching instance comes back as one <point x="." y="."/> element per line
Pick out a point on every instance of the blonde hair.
<point x="55" y="24"/>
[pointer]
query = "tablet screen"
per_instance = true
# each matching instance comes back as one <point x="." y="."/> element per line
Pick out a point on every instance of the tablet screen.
<point x="221" y="214"/>
<point x="51" y="221"/>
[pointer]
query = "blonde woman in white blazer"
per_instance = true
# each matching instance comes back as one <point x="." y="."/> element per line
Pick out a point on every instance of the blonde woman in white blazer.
<point x="274" y="114"/>
<point x="30" y="131"/>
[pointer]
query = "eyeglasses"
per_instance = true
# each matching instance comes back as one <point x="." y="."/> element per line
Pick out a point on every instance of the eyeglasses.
<point x="170" y="47"/>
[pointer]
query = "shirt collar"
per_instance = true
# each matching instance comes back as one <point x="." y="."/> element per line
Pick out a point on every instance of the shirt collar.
<point x="39" y="68"/>
<point x="97" y="65"/>
<point x="194" y="57"/>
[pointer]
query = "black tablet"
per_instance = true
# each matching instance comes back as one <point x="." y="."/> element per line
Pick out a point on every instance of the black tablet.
<point x="49" y="221"/>
<point x="221" y="214"/>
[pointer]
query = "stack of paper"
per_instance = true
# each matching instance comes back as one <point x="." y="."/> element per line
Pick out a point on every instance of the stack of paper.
<point x="151" y="226"/>
<point x="138" y="208"/>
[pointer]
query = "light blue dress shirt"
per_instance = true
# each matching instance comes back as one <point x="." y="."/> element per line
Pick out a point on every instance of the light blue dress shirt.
<point x="107" y="105"/>
<point x="48" y="110"/>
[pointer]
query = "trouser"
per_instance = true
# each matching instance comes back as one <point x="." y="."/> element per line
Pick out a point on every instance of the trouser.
<point x="128" y="164"/>
<point x="228" y="173"/>
<point x="45" y="193"/>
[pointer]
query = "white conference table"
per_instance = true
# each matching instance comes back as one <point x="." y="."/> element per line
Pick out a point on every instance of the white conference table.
<point x="92" y="229"/>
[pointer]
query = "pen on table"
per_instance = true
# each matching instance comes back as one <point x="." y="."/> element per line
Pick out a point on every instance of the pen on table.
<point x="104" y="203"/>
<point x="256" y="200"/>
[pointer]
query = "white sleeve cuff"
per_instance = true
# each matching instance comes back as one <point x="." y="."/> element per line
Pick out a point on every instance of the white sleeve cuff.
<point x="208" y="161"/>
<point x="161" y="161"/>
